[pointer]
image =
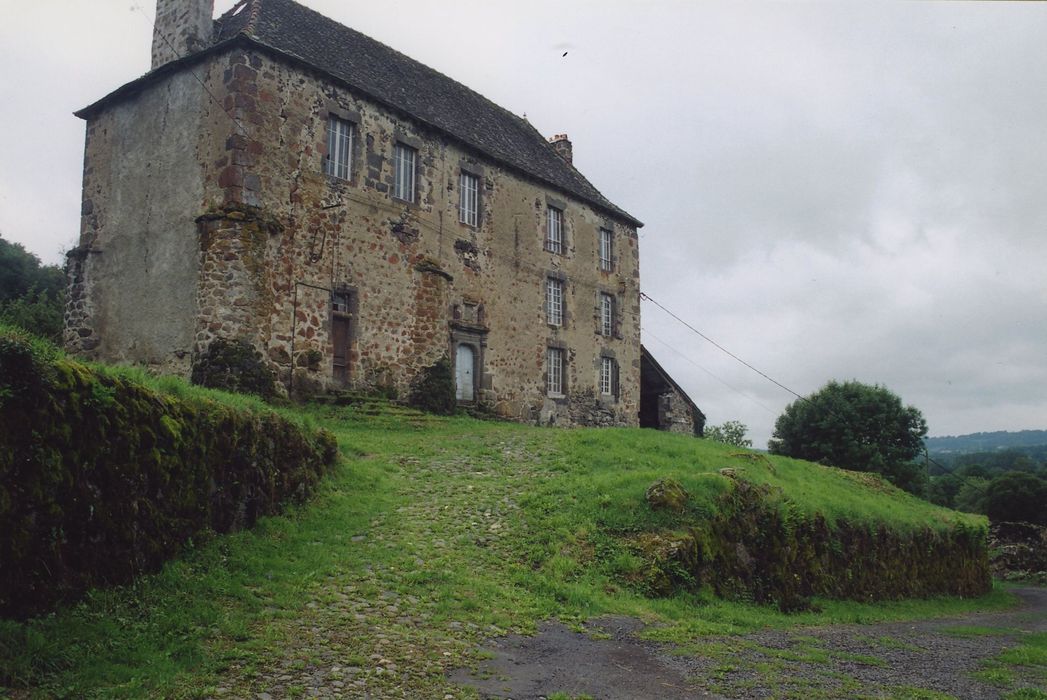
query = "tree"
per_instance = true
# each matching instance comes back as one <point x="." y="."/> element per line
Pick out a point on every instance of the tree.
<point x="31" y="294"/>
<point x="942" y="490"/>
<point x="39" y="313"/>
<point x="1016" y="497"/>
<point x="971" y="496"/>
<point x="730" y="433"/>
<point x="855" y="426"/>
<point x="21" y="272"/>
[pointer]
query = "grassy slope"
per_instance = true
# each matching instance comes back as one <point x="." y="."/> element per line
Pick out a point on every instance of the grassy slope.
<point x="433" y="534"/>
<point x="616" y="466"/>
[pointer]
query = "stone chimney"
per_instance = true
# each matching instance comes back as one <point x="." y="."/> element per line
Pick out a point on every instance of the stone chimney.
<point x="182" y="27"/>
<point x="562" y="146"/>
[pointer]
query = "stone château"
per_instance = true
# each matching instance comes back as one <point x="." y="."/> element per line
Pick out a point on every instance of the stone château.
<point x="355" y="216"/>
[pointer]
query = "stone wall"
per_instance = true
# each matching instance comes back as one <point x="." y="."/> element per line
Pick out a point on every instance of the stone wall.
<point x="133" y="276"/>
<point x="676" y="415"/>
<point x="408" y="268"/>
<point x="665" y="406"/>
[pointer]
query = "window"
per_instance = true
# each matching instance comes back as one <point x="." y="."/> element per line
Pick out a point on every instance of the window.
<point x="606" y="314"/>
<point x="608" y="376"/>
<point x="404" y="158"/>
<point x="554" y="231"/>
<point x="554" y="302"/>
<point x="554" y="375"/>
<point x="339" y="147"/>
<point x="340" y="302"/>
<point x="606" y="250"/>
<point x="469" y="199"/>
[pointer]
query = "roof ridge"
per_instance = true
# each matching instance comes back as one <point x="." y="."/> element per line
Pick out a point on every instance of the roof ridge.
<point x="377" y="71"/>
<point x="252" y="21"/>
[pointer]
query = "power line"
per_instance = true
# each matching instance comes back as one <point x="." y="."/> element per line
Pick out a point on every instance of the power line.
<point x="927" y="456"/>
<point x="643" y="295"/>
<point x="648" y="333"/>
<point x="170" y="45"/>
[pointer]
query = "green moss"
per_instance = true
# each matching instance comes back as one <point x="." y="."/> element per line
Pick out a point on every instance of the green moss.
<point x="761" y="529"/>
<point x="104" y="478"/>
<point x="668" y="494"/>
<point x="433" y="389"/>
<point x="234" y="365"/>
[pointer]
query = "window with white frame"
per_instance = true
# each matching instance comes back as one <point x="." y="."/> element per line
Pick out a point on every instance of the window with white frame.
<point x="608" y="376"/>
<point x="554" y="231"/>
<point x="606" y="314"/>
<point x="554" y="371"/>
<point x="404" y="159"/>
<point x="468" y="199"/>
<point x="606" y="250"/>
<point x="339" y="147"/>
<point x="554" y="301"/>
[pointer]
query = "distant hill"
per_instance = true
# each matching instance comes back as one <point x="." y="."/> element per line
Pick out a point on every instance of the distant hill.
<point x="986" y="442"/>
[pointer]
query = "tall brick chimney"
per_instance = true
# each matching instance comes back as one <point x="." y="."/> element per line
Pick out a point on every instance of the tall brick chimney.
<point x="562" y="146"/>
<point x="182" y="27"/>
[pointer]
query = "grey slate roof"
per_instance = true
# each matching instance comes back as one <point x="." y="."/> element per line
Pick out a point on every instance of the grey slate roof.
<point x="387" y="76"/>
<point x="415" y="89"/>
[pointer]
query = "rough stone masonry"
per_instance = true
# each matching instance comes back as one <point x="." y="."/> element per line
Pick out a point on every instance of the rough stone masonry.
<point x="355" y="216"/>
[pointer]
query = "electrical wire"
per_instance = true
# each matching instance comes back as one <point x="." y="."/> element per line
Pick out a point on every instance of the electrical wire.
<point x="170" y="45"/>
<point x="647" y="333"/>
<point x="927" y="457"/>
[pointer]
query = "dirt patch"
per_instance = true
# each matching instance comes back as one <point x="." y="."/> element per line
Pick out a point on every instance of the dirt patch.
<point x="607" y="661"/>
<point x="908" y="659"/>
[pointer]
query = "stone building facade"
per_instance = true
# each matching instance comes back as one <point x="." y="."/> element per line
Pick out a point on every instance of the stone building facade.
<point x="663" y="403"/>
<point x="355" y="216"/>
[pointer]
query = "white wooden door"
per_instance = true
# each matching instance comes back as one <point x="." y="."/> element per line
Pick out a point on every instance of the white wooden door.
<point x="464" y="363"/>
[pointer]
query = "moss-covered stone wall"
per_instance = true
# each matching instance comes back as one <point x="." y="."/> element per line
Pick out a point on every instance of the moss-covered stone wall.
<point x="103" y="479"/>
<point x="759" y="547"/>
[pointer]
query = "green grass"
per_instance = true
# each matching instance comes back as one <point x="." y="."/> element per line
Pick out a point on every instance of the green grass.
<point x="1027" y="660"/>
<point x="430" y="536"/>
<point x="615" y="466"/>
<point x="976" y="631"/>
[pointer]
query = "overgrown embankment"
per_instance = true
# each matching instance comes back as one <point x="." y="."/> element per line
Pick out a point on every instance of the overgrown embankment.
<point x="668" y="514"/>
<point x="103" y="478"/>
<point x="430" y="536"/>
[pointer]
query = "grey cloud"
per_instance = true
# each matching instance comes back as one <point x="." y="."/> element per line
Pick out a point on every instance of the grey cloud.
<point x="851" y="190"/>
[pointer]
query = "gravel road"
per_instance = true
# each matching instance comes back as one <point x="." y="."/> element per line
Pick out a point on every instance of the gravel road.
<point x="932" y="659"/>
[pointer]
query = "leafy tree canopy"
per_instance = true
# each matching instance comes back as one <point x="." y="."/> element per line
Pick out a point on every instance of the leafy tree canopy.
<point x="21" y="271"/>
<point x="31" y="294"/>
<point x="38" y="312"/>
<point x="1016" y="497"/>
<point x="730" y="433"/>
<point x="942" y="490"/>
<point x="970" y="498"/>
<point x="855" y="426"/>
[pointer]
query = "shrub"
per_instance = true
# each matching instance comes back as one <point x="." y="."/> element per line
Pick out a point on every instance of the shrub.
<point x="234" y="365"/>
<point x="433" y="389"/>
<point x="38" y="312"/>
<point x="730" y="433"/>
<point x="1016" y="497"/>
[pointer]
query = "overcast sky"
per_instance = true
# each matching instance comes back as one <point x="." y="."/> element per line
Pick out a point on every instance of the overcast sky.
<point x="830" y="191"/>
